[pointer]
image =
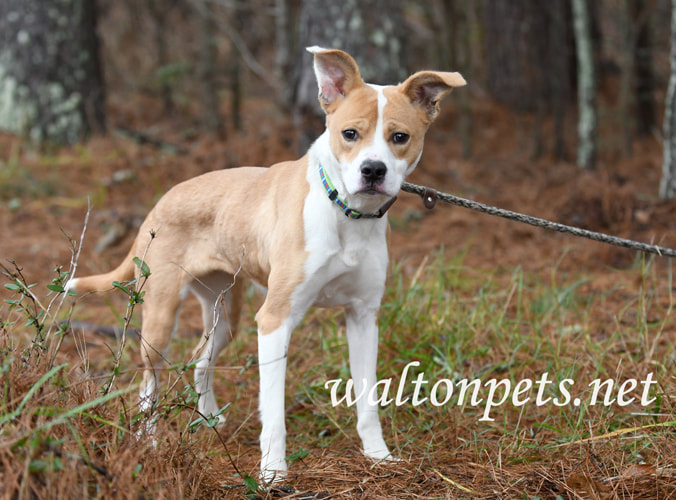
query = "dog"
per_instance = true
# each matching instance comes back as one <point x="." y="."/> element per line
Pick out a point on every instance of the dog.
<point x="312" y="231"/>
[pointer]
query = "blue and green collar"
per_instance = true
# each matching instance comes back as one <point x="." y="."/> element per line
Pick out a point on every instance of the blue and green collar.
<point x="352" y="214"/>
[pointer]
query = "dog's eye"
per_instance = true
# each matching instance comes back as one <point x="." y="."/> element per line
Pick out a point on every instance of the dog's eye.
<point x="350" y="134"/>
<point x="400" y="138"/>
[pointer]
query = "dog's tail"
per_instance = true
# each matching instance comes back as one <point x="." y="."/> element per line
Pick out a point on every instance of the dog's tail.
<point x="103" y="282"/>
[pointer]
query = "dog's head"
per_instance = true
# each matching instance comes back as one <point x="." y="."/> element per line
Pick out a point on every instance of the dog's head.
<point x="376" y="133"/>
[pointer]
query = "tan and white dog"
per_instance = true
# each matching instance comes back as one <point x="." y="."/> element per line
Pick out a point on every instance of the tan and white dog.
<point x="312" y="231"/>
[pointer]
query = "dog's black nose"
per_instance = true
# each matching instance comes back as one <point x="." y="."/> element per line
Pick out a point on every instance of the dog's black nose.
<point x="373" y="171"/>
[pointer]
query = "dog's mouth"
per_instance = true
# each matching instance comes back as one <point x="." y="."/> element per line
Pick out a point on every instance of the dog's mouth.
<point x="373" y="190"/>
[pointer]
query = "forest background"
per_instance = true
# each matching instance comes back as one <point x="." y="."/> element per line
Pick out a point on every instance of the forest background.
<point x="567" y="115"/>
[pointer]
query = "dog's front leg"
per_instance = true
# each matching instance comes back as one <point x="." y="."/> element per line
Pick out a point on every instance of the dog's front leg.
<point x="362" y="338"/>
<point x="272" y="354"/>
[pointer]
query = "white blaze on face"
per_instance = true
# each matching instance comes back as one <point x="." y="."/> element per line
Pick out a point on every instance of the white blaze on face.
<point x="379" y="137"/>
<point x="379" y="149"/>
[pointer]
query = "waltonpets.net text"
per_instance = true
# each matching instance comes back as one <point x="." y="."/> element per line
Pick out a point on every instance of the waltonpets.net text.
<point x="496" y="392"/>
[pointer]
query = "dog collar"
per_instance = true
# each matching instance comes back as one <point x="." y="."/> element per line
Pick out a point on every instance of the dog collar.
<point x="352" y="214"/>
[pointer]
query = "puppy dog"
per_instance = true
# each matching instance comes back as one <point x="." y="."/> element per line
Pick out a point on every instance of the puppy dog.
<point x="312" y="231"/>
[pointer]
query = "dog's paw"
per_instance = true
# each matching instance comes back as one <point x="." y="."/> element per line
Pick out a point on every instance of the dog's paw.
<point x="146" y="432"/>
<point x="273" y="472"/>
<point x="381" y="456"/>
<point x="212" y="412"/>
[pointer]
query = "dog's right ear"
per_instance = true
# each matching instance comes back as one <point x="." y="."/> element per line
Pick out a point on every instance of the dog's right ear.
<point x="337" y="75"/>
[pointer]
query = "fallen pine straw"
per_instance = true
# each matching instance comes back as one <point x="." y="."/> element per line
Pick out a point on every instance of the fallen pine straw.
<point x="618" y="432"/>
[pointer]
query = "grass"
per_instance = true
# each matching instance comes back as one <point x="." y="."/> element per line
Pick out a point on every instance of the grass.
<point x="69" y="421"/>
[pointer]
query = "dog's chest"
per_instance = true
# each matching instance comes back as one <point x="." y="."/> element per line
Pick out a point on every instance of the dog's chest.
<point x="346" y="261"/>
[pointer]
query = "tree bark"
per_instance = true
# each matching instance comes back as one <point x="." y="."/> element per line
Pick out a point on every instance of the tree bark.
<point x="459" y="49"/>
<point x="208" y="71"/>
<point x="158" y="12"/>
<point x="514" y="48"/>
<point x="627" y="61"/>
<point x="284" y="49"/>
<point x="587" y="120"/>
<point x="645" y="79"/>
<point x="668" y="182"/>
<point x="51" y="84"/>
<point x="529" y="67"/>
<point x="559" y="55"/>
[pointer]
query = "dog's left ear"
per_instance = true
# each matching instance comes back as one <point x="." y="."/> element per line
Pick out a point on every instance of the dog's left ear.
<point x="427" y="88"/>
<point x="337" y="75"/>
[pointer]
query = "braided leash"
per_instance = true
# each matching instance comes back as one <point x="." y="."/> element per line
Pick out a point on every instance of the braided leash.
<point x="430" y="197"/>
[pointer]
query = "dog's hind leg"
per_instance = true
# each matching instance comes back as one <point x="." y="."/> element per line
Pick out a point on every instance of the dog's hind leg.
<point x="219" y="295"/>
<point x="160" y="309"/>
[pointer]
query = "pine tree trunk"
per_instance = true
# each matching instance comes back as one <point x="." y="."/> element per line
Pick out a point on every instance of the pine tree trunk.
<point x="209" y="101"/>
<point x="158" y="12"/>
<point x="509" y="52"/>
<point x="235" y="72"/>
<point x="668" y="182"/>
<point x="528" y="46"/>
<point x="284" y="47"/>
<point x="516" y="51"/>
<point x="51" y="86"/>
<point x="627" y="69"/>
<point x="559" y="55"/>
<point x="460" y="49"/>
<point x="587" y="121"/>
<point x="645" y="78"/>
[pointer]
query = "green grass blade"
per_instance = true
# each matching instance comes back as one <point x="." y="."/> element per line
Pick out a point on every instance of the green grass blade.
<point x="29" y="394"/>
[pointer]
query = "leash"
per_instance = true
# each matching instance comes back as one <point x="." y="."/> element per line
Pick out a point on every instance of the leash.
<point x="430" y="197"/>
